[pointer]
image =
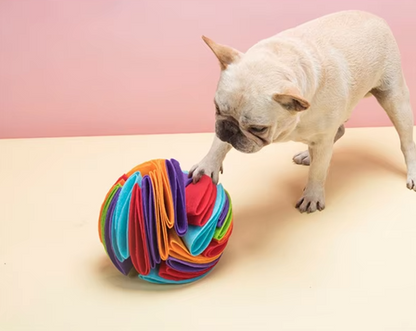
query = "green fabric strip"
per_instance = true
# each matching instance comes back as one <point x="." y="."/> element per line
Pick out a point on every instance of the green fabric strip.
<point x="220" y="232"/>
<point x="104" y="214"/>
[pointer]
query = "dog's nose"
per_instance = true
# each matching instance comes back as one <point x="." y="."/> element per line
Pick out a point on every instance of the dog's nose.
<point x="225" y="130"/>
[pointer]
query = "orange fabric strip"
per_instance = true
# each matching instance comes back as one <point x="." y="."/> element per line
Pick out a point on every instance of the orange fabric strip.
<point x="164" y="209"/>
<point x="178" y="250"/>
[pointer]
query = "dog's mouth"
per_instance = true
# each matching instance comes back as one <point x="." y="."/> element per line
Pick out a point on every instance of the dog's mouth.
<point x="242" y="146"/>
<point x="230" y="132"/>
<point x="247" y="150"/>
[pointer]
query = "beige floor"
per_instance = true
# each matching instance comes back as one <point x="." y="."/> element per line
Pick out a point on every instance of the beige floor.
<point x="351" y="267"/>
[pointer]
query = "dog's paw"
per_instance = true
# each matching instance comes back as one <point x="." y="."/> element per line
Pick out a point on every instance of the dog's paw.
<point x="207" y="166"/>
<point x="310" y="203"/>
<point x="411" y="182"/>
<point x="302" y="158"/>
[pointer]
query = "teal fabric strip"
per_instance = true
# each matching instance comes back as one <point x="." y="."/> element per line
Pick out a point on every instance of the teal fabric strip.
<point x="153" y="277"/>
<point x="120" y="233"/>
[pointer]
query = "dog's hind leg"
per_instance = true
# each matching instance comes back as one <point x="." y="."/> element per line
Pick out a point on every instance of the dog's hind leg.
<point x="394" y="98"/>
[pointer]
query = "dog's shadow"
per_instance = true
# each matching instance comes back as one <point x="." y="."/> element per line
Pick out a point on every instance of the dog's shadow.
<point x="256" y="224"/>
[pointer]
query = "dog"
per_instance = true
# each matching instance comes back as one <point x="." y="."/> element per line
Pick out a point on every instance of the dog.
<point x="301" y="85"/>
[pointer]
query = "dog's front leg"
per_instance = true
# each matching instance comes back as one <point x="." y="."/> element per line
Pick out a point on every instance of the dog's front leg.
<point x="211" y="164"/>
<point x="313" y="197"/>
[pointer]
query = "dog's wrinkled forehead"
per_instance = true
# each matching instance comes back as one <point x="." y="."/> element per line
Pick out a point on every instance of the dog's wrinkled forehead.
<point x="241" y="97"/>
<point x="230" y="91"/>
<point x="233" y="93"/>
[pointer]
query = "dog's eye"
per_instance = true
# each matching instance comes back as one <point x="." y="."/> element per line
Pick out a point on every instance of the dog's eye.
<point x="258" y="129"/>
<point x="217" y="110"/>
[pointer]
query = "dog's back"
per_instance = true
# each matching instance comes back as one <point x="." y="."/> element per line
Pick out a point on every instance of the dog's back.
<point x="354" y="43"/>
<point x="354" y="52"/>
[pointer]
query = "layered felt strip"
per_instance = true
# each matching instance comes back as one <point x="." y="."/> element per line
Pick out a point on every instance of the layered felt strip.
<point x="156" y="222"/>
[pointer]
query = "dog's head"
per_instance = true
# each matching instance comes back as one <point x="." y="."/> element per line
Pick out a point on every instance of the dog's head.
<point x="256" y="103"/>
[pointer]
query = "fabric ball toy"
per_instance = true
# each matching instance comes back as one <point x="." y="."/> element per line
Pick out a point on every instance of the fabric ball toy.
<point x="156" y="222"/>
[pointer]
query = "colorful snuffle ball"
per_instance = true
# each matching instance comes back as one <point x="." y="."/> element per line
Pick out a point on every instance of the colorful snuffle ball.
<point x="156" y="223"/>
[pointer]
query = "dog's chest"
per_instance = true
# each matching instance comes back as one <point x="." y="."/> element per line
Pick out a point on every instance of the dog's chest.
<point x="305" y="133"/>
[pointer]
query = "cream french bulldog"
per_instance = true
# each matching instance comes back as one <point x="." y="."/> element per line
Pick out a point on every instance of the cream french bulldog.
<point x="302" y="85"/>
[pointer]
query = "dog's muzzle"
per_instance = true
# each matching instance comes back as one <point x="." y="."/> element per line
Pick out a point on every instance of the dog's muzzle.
<point x="229" y="131"/>
<point x="226" y="130"/>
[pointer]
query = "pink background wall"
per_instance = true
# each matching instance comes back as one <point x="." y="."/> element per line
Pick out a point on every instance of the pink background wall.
<point x="99" y="67"/>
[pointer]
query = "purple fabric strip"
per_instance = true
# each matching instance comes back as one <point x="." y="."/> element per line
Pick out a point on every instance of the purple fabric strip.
<point x="186" y="180"/>
<point x="150" y="221"/>
<point x="174" y="192"/>
<point x="188" y="266"/>
<point x="224" y="212"/>
<point x="181" y="219"/>
<point x="126" y="265"/>
<point x="172" y="181"/>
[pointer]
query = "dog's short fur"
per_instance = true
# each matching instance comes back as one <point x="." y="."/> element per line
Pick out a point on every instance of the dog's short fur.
<point x="302" y="85"/>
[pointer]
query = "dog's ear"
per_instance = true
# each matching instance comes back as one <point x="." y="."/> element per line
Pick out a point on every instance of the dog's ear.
<point x="291" y="99"/>
<point x="225" y="54"/>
